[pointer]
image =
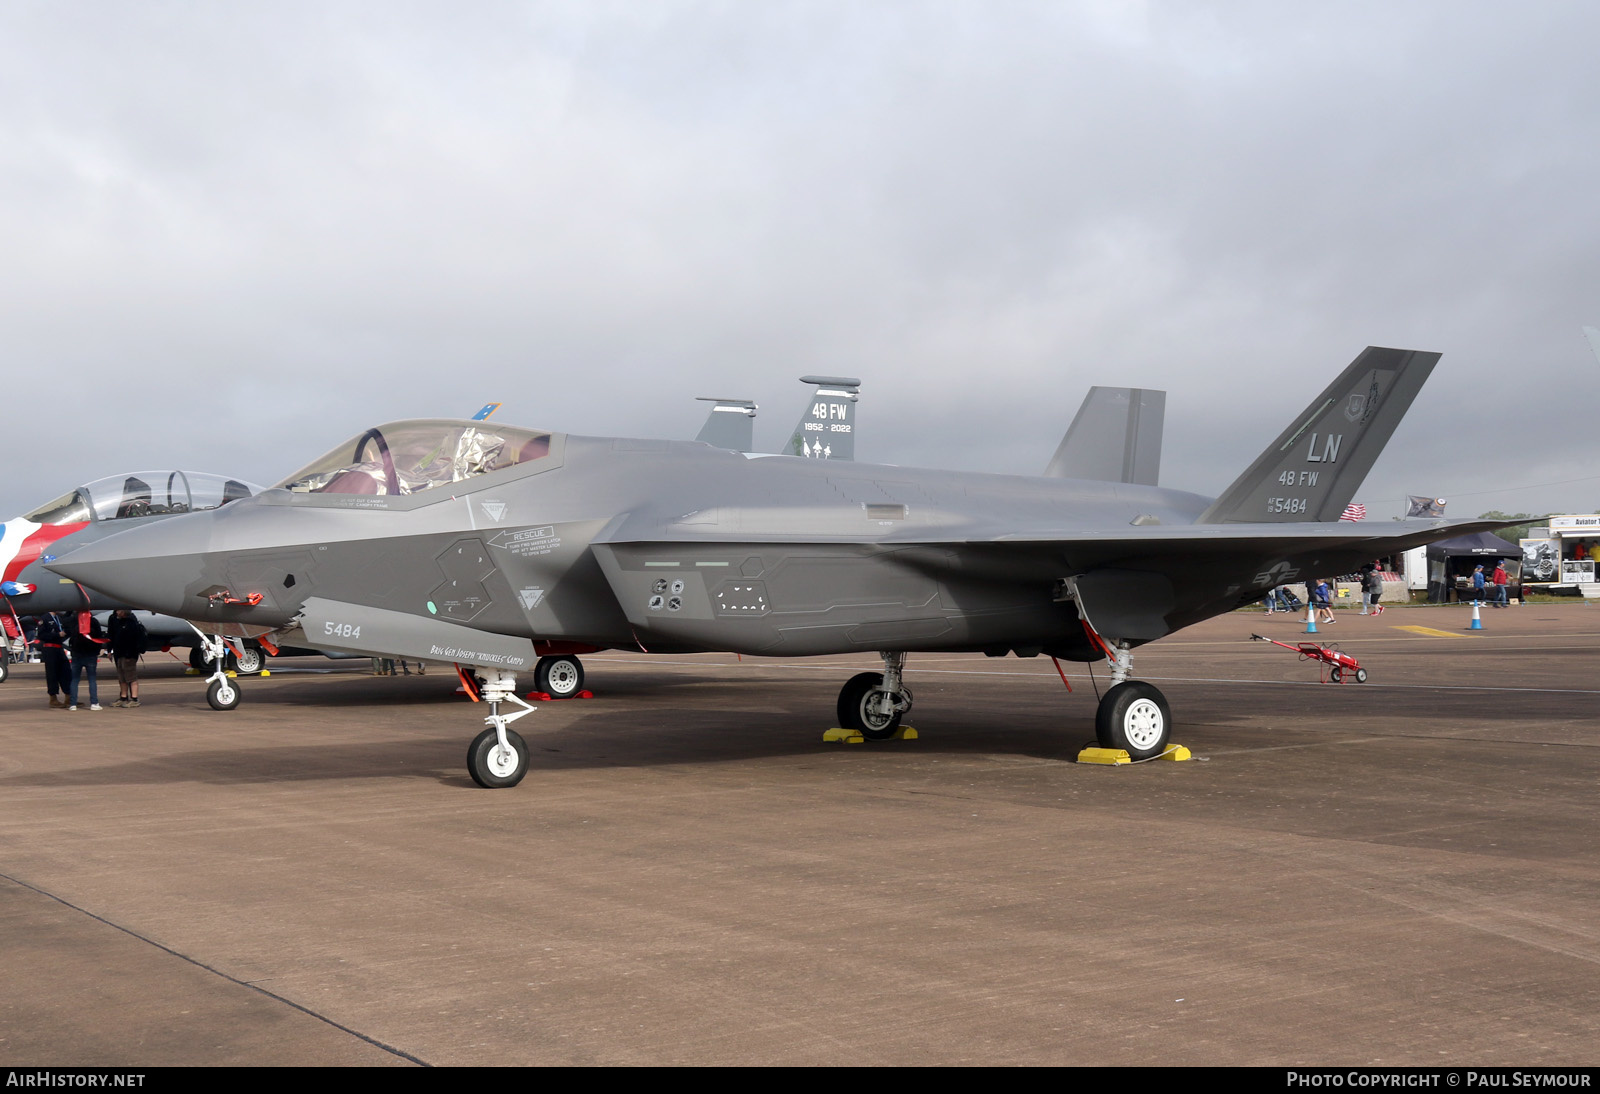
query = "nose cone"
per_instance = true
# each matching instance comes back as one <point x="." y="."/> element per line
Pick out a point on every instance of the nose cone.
<point x="160" y="566"/>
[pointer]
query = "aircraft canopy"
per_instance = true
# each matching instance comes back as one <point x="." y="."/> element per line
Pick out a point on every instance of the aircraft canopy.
<point x="142" y="494"/>
<point x="412" y="456"/>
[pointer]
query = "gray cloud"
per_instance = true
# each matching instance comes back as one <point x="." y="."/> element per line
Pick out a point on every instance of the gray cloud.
<point x="232" y="235"/>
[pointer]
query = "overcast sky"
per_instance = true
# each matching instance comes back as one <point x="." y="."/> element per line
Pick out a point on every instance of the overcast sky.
<point x="232" y="235"/>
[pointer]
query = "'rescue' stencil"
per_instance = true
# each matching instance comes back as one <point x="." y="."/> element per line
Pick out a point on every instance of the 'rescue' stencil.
<point x="528" y="542"/>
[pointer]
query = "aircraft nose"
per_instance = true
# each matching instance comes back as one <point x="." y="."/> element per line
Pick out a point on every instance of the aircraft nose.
<point x="158" y="566"/>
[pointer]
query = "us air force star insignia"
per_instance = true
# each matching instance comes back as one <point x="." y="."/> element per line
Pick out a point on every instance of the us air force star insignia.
<point x="494" y="510"/>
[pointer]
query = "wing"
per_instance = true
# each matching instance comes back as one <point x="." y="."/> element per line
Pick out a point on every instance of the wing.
<point x="782" y="594"/>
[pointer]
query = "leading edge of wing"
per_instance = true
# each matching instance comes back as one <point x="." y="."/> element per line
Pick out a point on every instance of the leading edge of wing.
<point x="1394" y="536"/>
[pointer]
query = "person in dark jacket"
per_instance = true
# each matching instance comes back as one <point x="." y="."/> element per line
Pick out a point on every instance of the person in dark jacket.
<point x="127" y="645"/>
<point x="52" y="641"/>
<point x="85" y="638"/>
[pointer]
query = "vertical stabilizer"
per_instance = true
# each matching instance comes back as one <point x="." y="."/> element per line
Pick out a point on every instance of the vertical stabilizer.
<point x="1115" y="437"/>
<point x="827" y="428"/>
<point x="1314" y="468"/>
<point x="731" y="423"/>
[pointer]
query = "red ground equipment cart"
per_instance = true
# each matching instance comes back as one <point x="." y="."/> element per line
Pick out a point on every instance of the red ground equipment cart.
<point x="1339" y="666"/>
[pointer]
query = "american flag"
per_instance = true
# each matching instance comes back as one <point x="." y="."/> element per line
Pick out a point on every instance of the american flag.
<point x="1353" y="511"/>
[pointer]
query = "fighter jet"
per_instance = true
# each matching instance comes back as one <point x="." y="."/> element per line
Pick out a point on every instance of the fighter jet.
<point x="826" y="430"/>
<point x="503" y="549"/>
<point x="99" y="509"/>
<point x="89" y="513"/>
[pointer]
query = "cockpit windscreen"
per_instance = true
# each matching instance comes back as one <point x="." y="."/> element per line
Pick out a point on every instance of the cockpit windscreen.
<point x="410" y="457"/>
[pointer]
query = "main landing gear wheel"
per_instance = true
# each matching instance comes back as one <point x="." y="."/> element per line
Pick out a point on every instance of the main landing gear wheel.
<point x="5" y="666"/>
<point x="200" y="662"/>
<point x="865" y="707"/>
<point x="251" y="661"/>
<point x="1134" y="717"/>
<point x="223" y="694"/>
<point x="493" y="767"/>
<point x="559" y="677"/>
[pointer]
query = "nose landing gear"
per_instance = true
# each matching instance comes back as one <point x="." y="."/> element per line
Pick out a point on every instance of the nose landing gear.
<point x="497" y="757"/>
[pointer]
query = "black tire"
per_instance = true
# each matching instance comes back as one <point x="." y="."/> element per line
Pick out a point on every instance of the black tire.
<point x="1336" y="674"/>
<point x="485" y="766"/>
<point x="853" y="713"/>
<point x="1134" y="716"/>
<point x="5" y="665"/>
<point x="223" y="695"/>
<point x="559" y="677"/>
<point x="197" y="658"/>
<point x="1361" y="676"/>
<point x="253" y="661"/>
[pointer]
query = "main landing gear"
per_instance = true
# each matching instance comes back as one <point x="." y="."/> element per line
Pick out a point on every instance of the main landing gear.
<point x="872" y="703"/>
<point x="560" y="676"/>
<point x="1133" y="715"/>
<point x="497" y="757"/>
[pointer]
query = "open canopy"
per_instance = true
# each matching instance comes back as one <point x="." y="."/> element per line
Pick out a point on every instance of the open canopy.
<point x="142" y="494"/>
<point x="411" y="456"/>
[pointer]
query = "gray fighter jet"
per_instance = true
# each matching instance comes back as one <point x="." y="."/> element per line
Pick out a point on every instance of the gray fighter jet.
<point x="505" y="549"/>
<point x="90" y="513"/>
<point x="826" y="430"/>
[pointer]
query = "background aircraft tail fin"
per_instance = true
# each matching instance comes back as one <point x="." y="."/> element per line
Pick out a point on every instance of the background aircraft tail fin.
<point x="731" y="424"/>
<point x="1115" y="437"/>
<point x="486" y="413"/>
<point x="827" y="428"/>
<point x="1594" y="339"/>
<point x="1314" y="468"/>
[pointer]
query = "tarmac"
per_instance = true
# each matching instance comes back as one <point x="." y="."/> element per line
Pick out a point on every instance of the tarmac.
<point x="1398" y="872"/>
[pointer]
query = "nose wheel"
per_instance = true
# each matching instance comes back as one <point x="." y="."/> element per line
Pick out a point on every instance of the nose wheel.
<point x="223" y="694"/>
<point x="497" y="757"/>
<point x="493" y="765"/>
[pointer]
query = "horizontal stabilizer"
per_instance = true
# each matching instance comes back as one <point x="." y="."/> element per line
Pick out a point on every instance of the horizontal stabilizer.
<point x="1314" y="468"/>
<point x="355" y="628"/>
<point x="1115" y="437"/>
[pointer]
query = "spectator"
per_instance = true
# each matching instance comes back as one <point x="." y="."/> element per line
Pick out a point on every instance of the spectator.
<point x="85" y="637"/>
<point x="1374" y="590"/>
<point x="1501" y="580"/>
<point x="1322" y="600"/>
<point x="52" y="640"/>
<point x="127" y="646"/>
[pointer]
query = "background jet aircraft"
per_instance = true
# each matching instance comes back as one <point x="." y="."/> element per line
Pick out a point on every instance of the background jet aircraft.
<point x="87" y="514"/>
<point x="491" y="547"/>
<point x="826" y="430"/>
<point x="730" y="424"/>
